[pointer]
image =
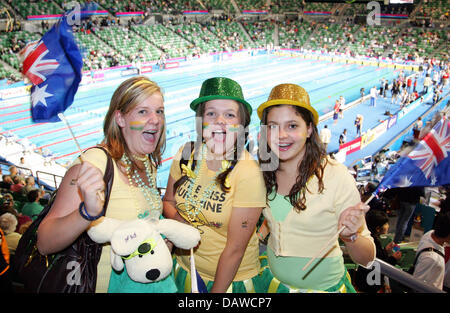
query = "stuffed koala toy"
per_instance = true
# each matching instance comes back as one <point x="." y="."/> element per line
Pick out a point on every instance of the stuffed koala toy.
<point x="138" y="244"/>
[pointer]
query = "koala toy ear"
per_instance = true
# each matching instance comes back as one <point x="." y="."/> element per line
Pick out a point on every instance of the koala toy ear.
<point x="183" y="236"/>
<point x="101" y="230"/>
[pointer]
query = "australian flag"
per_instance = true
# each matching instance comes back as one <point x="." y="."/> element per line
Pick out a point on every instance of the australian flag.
<point x="427" y="165"/>
<point x="53" y="64"/>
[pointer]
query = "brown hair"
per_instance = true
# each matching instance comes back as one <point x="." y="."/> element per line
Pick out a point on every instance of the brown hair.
<point x="313" y="162"/>
<point x="126" y="97"/>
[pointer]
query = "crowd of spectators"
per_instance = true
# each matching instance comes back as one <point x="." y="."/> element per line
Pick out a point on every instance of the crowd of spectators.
<point x="21" y="201"/>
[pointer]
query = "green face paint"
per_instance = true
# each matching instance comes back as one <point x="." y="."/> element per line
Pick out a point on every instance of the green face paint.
<point x="233" y="127"/>
<point x="205" y="125"/>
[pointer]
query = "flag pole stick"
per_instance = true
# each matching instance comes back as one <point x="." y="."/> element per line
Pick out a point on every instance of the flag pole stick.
<point x="332" y="239"/>
<point x="194" y="286"/>
<point x="61" y="116"/>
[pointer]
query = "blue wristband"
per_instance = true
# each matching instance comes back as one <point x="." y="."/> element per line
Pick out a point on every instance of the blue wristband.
<point x="84" y="214"/>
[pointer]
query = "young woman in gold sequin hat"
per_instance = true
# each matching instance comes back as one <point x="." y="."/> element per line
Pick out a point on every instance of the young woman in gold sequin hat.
<point x="310" y="196"/>
<point x="217" y="187"/>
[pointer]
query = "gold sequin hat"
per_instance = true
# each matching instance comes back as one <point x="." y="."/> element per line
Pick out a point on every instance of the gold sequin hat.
<point x="220" y="88"/>
<point x="289" y="94"/>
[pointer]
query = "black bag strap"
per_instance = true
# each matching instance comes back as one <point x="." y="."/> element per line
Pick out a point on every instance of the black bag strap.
<point x="428" y="249"/>
<point x="108" y="177"/>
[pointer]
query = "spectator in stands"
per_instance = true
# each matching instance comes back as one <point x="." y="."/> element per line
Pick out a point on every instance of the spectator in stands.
<point x="32" y="208"/>
<point x="227" y="256"/>
<point x="30" y="184"/>
<point x="378" y="224"/>
<point x="134" y="129"/>
<point x="19" y="183"/>
<point x="6" y="182"/>
<point x="325" y="136"/>
<point x="430" y="264"/>
<point x="23" y="164"/>
<point x="5" y="272"/>
<point x="8" y="223"/>
<point x="13" y="172"/>
<point x="8" y="206"/>
<point x="302" y="189"/>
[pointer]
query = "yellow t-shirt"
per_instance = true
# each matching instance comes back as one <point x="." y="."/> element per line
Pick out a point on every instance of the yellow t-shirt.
<point x="125" y="203"/>
<point x="247" y="190"/>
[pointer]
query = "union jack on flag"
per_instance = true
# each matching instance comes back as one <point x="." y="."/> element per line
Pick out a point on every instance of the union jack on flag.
<point x="34" y="65"/>
<point x="427" y="165"/>
<point x="53" y="64"/>
<point x="433" y="148"/>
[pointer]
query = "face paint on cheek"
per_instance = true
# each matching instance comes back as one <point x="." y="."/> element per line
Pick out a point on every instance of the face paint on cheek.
<point x="205" y="125"/>
<point x="137" y="125"/>
<point x="233" y="127"/>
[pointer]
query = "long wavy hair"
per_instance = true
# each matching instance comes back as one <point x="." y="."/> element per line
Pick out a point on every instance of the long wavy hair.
<point x="126" y="97"/>
<point x="244" y="118"/>
<point x="313" y="162"/>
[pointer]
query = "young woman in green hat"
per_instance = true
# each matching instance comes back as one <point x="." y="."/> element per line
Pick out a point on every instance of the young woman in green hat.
<point x="216" y="186"/>
<point x="310" y="196"/>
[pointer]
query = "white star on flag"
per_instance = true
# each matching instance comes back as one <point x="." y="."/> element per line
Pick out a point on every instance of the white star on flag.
<point x="405" y="182"/>
<point x="39" y="95"/>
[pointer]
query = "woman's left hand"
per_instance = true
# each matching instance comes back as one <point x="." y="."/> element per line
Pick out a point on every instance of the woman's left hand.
<point x="353" y="218"/>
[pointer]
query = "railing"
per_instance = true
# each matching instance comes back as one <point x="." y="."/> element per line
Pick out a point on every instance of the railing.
<point x="56" y="178"/>
<point x="406" y="279"/>
<point x="43" y="180"/>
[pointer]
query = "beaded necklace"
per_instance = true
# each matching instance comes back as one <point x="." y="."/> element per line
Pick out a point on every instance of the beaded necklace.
<point x="193" y="204"/>
<point x="149" y="191"/>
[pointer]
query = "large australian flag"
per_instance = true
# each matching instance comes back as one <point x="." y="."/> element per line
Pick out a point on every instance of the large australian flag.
<point x="53" y="64"/>
<point x="428" y="164"/>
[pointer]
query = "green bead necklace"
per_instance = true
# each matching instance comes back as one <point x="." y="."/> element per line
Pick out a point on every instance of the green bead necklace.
<point x="195" y="204"/>
<point x="149" y="191"/>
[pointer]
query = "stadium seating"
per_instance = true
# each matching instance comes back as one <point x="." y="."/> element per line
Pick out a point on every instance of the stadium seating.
<point x="199" y="35"/>
<point x="26" y="8"/>
<point x="161" y="38"/>
<point x="436" y="9"/>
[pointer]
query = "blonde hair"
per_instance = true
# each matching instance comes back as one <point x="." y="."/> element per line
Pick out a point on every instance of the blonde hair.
<point x="126" y="97"/>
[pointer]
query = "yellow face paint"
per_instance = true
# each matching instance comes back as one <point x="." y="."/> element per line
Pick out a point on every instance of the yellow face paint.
<point x="137" y="125"/>
<point x="205" y="125"/>
<point x="233" y="127"/>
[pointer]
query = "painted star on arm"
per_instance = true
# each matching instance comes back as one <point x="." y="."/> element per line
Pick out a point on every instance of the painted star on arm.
<point x="39" y="95"/>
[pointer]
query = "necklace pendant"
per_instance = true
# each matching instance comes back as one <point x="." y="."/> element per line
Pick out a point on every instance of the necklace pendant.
<point x="144" y="215"/>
